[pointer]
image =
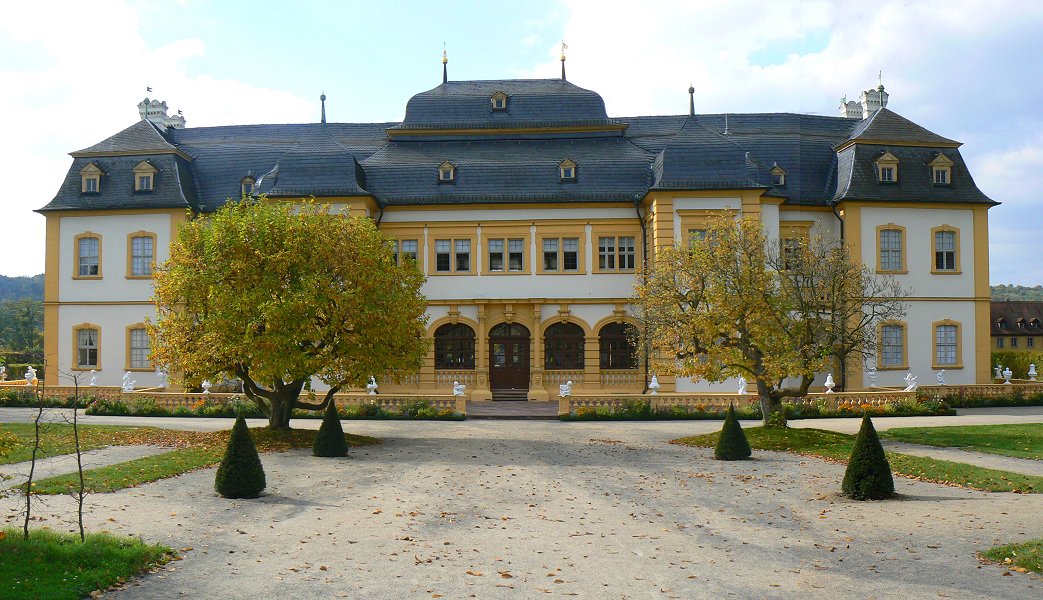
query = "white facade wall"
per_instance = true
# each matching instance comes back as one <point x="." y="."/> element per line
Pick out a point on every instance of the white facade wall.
<point x="112" y="321"/>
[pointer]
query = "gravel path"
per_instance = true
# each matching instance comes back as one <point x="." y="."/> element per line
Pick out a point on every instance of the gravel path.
<point x="509" y="509"/>
<point x="1025" y="466"/>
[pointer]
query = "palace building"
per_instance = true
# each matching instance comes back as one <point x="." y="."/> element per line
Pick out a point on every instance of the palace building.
<point x="530" y="210"/>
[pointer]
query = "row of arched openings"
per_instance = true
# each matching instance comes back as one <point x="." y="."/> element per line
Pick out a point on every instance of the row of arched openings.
<point x="563" y="345"/>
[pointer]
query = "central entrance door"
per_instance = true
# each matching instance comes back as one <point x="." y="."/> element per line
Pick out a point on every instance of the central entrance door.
<point x="509" y="357"/>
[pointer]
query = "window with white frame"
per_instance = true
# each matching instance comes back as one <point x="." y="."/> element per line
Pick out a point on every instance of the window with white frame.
<point x="945" y="340"/>
<point x="87" y="348"/>
<point x="452" y="255"/>
<point x="616" y="253"/>
<point x="892" y="346"/>
<point x="142" y="255"/>
<point x="139" y="349"/>
<point x="890" y="249"/>
<point x="945" y="250"/>
<point x="560" y="254"/>
<point x="87" y="254"/>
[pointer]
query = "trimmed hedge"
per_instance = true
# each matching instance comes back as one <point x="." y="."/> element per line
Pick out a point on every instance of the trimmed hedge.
<point x="330" y="440"/>
<point x="240" y="474"/>
<point x="868" y="475"/>
<point x="732" y="445"/>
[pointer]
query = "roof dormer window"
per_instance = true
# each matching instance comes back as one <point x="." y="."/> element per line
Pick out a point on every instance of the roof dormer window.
<point x="567" y="170"/>
<point x="1034" y="323"/>
<point x="941" y="170"/>
<point x="499" y="101"/>
<point x="1001" y="323"/>
<point x="887" y="168"/>
<point x="446" y="172"/>
<point x="778" y="176"/>
<point x="90" y="179"/>
<point x="246" y="186"/>
<point x="144" y="176"/>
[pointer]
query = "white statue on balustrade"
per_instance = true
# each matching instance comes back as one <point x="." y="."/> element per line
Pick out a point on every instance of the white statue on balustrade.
<point x="94" y="378"/>
<point x="128" y="383"/>
<point x="206" y="385"/>
<point x="941" y="377"/>
<point x="565" y="389"/>
<point x="830" y="384"/>
<point x="3" y="373"/>
<point x="742" y="386"/>
<point x="910" y="379"/>
<point x="458" y="388"/>
<point x="161" y="375"/>
<point x="1007" y="374"/>
<point x="871" y="375"/>
<point x="998" y="371"/>
<point x="371" y="387"/>
<point x="30" y="376"/>
<point x="653" y="386"/>
<point x="1032" y="372"/>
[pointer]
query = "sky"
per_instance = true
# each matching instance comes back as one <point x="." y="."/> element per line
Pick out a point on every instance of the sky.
<point x="72" y="74"/>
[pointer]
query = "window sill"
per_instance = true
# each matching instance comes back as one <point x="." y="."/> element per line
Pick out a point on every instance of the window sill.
<point x="614" y="271"/>
<point x="899" y="272"/>
<point x="936" y="272"/>
<point x="576" y="272"/>
<point x="445" y="273"/>
<point x="139" y="276"/>
<point x="86" y="276"/>
<point x="893" y="368"/>
<point x="499" y="273"/>
<point x="88" y="369"/>
<point x="140" y="369"/>
<point x="955" y="367"/>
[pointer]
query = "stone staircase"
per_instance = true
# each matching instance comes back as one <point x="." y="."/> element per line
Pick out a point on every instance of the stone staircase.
<point x="510" y="395"/>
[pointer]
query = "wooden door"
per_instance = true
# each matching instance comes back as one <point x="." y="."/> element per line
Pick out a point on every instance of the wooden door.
<point x="509" y="357"/>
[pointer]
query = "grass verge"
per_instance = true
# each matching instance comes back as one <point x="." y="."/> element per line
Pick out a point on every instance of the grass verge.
<point x="57" y="439"/>
<point x="837" y="446"/>
<point x="1019" y="440"/>
<point x="198" y="450"/>
<point x="57" y="566"/>
<point x="1026" y="556"/>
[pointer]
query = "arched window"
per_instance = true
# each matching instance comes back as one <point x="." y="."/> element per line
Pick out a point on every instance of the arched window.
<point x="563" y="346"/>
<point x="616" y="346"/>
<point x="454" y="347"/>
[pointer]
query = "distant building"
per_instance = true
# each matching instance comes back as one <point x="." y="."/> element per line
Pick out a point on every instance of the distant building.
<point x="530" y="210"/>
<point x="1017" y="325"/>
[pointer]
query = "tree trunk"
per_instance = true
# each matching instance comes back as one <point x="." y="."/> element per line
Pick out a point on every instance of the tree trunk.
<point x="770" y="403"/>
<point x="281" y="409"/>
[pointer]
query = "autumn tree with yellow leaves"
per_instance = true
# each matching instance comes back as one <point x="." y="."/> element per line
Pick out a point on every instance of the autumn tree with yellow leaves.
<point x="734" y="304"/>
<point x="278" y="293"/>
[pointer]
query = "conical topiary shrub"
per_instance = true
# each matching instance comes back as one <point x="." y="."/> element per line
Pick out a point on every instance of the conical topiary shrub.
<point x="732" y="445"/>
<point x="240" y="474"/>
<point x="868" y="475"/>
<point x="330" y="441"/>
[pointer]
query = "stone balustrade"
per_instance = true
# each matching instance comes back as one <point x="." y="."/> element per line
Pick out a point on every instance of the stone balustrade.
<point x="446" y="378"/>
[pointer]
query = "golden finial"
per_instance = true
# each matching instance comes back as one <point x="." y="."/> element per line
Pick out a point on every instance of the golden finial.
<point x="564" y="47"/>
<point x="445" y="59"/>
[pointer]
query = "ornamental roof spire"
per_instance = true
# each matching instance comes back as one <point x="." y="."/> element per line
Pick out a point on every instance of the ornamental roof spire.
<point x="445" y="60"/>
<point x="564" y="47"/>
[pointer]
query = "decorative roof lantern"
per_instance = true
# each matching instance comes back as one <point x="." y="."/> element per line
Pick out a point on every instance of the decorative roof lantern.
<point x="156" y="112"/>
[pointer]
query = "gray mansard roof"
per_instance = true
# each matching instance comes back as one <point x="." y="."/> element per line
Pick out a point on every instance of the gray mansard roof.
<point x="513" y="155"/>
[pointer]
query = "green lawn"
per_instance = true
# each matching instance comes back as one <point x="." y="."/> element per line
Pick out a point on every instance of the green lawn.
<point x="837" y="446"/>
<point x="190" y="450"/>
<point x="1026" y="556"/>
<point x="57" y="566"/>
<point x="1019" y="441"/>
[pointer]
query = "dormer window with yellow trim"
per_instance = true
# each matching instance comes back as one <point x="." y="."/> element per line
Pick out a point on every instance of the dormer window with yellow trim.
<point x="90" y="179"/>
<point x="499" y="101"/>
<point x="144" y="176"/>
<point x="567" y="170"/>
<point x="778" y="176"/>
<point x="887" y="168"/>
<point x="446" y="172"/>
<point x="941" y="170"/>
<point x="246" y="186"/>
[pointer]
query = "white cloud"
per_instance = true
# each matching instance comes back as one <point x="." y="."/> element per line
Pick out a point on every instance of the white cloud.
<point x="81" y="71"/>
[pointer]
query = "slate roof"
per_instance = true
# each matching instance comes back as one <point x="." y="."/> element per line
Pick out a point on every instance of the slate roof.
<point x="142" y="137"/>
<point x="530" y="103"/>
<point x="617" y="159"/>
<point x="858" y="176"/>
<point x="1011" y="311"/>
<point x="886" y="125"/>
<point x="508" y="171"/>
